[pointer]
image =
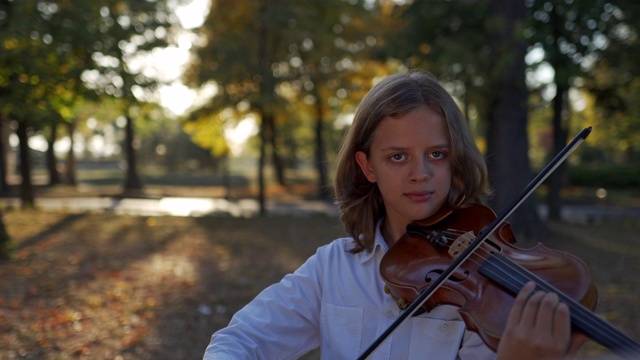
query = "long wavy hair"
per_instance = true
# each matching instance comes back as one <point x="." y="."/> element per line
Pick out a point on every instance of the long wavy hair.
<point x="359" y="201"/>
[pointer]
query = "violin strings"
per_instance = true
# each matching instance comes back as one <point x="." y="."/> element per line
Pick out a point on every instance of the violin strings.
<point x="578" y="311"/>
<point x="507" y="269"/>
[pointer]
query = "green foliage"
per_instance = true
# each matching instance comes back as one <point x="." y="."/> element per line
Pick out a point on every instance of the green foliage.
<point x="55" y="55"/>
<point x="208" y="132"/>
<point x="593" y="47"/>
<point x="309" y="63"/>
<point x="164" y="144"/>
<point x="300" y="63"/>
<point x="605" y="176"/>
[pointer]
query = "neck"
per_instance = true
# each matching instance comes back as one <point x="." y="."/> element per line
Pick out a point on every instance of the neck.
<point x="391" y="233"/>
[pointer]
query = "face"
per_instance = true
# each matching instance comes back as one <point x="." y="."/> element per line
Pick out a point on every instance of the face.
<point x="409" y="162"/>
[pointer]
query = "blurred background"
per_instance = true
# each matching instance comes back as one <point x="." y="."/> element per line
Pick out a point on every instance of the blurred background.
<point x="247" y="102"/>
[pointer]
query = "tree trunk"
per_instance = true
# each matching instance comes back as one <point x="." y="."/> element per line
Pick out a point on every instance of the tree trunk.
<point x="70" y="168"/>
<point x="559" y="120"/>
<point x="265" y="100"/>
<point x="5" y="153"/>
<point x="132" y="180"/>
<point x="556" y="179"/>
<point x="277" y="159"/>
<point x="226" y="176"/>
<point x="321" y="152"/>
<point x="6" y="245"/>
<point x="261" y="165"/>
<point x="507" y="142"/>
<point x="52" y="163"/>
<point x="26" y="187"/>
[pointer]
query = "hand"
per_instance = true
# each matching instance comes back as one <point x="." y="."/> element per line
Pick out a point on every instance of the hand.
<point x="538" y="327"/>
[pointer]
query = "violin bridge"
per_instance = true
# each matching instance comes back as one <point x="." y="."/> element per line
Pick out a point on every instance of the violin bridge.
<point x="461" y="243"/>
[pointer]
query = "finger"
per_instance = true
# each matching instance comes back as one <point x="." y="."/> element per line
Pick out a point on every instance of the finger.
<point x="546" y="315"/>
<point x="562" y="322"/>
<point x="531" y="310"/>
<point x="518" y="306"/>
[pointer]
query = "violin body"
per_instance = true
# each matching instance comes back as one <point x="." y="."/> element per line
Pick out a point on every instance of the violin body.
<point x="485" y="285"/>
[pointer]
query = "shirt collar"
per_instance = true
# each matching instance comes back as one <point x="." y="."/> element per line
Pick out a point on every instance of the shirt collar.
<point x="378" y="245"/>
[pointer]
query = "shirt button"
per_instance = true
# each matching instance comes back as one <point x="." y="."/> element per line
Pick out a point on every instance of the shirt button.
<point x="444" y="328"/>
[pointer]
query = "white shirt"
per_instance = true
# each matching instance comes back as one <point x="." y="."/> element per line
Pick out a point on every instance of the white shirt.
<point x="336" y="300"/>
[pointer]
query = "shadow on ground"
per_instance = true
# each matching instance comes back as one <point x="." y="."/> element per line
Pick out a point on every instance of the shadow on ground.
<point x="102" y="286"/>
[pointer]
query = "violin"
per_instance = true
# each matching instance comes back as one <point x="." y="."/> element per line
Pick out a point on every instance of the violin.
<point x="466" y="257"/>
<point x="484" y="287"/>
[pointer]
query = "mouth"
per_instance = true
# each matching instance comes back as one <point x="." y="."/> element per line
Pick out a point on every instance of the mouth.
<point x="419" y="196"/>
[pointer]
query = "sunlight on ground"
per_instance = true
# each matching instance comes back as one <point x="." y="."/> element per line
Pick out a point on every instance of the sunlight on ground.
<point x="161" y="266"/>
<point x="182" y="206"/>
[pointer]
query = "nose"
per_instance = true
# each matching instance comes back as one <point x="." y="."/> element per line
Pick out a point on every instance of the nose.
<point x="421" y="171"/>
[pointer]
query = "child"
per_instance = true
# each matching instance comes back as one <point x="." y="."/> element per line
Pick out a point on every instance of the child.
<point x="407" y="154"/>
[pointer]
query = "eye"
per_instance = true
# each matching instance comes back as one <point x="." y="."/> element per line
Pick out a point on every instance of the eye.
<point x="397" y="157"/>
<point x="437" y="154"/>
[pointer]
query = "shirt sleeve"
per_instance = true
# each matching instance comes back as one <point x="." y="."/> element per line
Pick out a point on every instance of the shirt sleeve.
<point x="282" y="322"/>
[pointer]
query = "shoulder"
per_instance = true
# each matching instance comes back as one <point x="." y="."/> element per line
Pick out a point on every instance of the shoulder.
<point x="336" y="260"/>
<point x="339" y="248"/>
<point x="329" y="256"/>
<point x="339" y="245"/>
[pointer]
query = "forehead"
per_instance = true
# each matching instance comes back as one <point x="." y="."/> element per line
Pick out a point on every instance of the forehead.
<point x="418" y="127"/>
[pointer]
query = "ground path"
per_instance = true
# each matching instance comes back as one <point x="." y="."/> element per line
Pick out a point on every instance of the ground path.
<point x="208" y="206"/>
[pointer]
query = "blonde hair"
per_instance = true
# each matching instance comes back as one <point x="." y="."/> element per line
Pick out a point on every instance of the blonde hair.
<point x="359" y="200"/>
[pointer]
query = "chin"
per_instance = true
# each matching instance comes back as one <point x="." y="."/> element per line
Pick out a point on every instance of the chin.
<point x="426" y="212"/>
<point x="421" y="215"/>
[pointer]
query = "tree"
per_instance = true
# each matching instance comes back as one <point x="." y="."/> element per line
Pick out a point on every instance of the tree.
<point x="612" y="85"/>
<point x="5" y="239"/>
<point x="5" y="150"/>
<point x="6" y="246"/>
<point x="450" y="39"/>
<point x="129" y="29"/>
<point x="280" y="59"/>
<point x="572" y="36"/>
<point x="68" y="47"/>
<point x="331" y="42"/>
<point x="240" y="43"/>
<point x="507" y="151"/>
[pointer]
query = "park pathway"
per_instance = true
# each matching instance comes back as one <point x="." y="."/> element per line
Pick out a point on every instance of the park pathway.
<point x="201" y="206"/>
<point x="177" y="206"/>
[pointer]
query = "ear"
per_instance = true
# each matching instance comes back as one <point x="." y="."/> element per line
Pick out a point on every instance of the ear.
<point x="365" y="166"/>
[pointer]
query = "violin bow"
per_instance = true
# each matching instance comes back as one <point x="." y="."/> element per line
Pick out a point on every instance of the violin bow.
<point x="479" y="240"/>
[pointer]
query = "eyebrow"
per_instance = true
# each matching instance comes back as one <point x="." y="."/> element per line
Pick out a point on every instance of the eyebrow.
<point x="395" y="147"/>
